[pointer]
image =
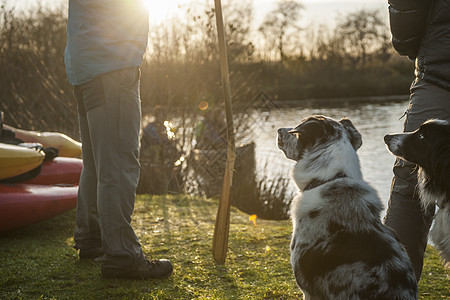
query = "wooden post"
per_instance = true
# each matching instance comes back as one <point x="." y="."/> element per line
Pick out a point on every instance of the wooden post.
<point x="220" y="240"/>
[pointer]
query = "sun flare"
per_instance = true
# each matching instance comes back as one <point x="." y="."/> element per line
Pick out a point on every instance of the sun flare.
<point x="158" y="6"/>
<point x="161" y="10"/>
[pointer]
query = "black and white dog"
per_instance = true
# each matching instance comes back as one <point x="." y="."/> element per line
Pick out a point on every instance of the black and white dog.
<point x="339" y="248"/>
<point x="429" y="148"/>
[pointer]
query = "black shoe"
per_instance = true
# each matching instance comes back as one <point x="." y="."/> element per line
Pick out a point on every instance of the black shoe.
<point x="146" y="270"/>
<point x="95" y="254"/>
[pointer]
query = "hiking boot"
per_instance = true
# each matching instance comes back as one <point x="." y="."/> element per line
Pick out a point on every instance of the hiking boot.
<point x="146" y="270"/>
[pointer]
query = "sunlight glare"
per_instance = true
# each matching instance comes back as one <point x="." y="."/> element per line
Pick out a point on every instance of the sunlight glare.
<point x="170" y="130"/>
<point x="161" y="10"/>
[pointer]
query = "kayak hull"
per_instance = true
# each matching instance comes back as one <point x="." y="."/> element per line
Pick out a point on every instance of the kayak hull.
<point x="25" y="204"/>
<point x="16" y="160"/>
<point x="59" y="170"/>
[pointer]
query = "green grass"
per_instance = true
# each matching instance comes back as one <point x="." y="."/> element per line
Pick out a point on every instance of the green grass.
<point x="38" y="262"/>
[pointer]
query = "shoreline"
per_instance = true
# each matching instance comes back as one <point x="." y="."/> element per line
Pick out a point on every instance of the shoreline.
<point x="346" y="100"/>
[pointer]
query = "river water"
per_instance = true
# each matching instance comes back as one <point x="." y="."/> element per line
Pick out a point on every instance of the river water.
<point x="372" y="120"/>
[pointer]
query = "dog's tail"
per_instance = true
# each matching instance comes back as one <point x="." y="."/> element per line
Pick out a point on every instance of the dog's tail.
<point x="440" y="234"/>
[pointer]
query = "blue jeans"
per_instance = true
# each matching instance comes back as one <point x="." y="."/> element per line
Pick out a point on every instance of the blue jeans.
<point x="405" y="214"/>
<point x="109" y="115"/>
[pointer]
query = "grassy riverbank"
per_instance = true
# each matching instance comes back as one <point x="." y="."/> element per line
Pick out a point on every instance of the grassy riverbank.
<point x="38" y="262"/>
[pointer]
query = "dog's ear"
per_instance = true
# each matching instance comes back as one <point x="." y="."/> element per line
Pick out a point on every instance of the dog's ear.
<point x="355" y="136"/>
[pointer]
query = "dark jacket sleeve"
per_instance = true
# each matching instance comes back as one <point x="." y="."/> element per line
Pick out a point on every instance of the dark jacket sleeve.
<point x="408" y="21"/>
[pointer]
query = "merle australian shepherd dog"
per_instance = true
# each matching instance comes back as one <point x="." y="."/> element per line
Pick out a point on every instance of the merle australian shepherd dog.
<point x="340" y="249"/>
<point x="429" y="148"/>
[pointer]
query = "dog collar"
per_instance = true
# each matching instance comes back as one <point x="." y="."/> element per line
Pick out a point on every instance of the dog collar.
<point x="317" y="182"/>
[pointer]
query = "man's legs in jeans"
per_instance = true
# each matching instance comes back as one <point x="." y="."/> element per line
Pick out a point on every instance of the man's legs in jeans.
<point x="405" y="214"/>
<point x="109" y="108"/>
<point x="87" y="232"/>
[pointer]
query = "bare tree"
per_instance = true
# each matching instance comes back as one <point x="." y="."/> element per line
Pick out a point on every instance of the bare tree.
<point x="198" y="31"/>
<point x="279" y="23"/>
<point x="238" y="20"/>
<point x="361" y="34"/>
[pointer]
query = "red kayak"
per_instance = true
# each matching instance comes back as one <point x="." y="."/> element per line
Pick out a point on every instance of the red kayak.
<point x="59" y="170"/>
<point x="24" y="204"/>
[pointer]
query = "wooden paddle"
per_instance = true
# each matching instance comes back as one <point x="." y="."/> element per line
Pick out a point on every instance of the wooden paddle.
<point x="220" y="241"/>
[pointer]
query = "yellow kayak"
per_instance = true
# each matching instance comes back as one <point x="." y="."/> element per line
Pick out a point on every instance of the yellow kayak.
<point x="16" y="160"/>
<point x="66" y="146"/>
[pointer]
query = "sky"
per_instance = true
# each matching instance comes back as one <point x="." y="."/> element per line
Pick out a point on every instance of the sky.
<point x="316" y="11"/>
<point x="319" y="11"/>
